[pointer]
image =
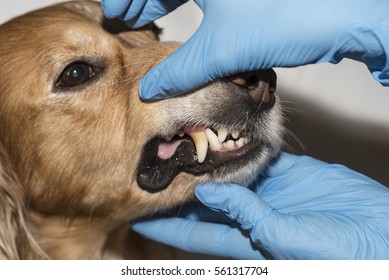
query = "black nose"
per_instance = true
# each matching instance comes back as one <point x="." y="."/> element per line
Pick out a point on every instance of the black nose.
<point x="260" y="85"/>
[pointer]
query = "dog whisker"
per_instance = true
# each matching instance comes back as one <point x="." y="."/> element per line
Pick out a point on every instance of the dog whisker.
<point x="295" y="138"/>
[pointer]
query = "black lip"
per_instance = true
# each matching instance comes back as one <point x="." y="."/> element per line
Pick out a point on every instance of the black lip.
<point x="155" y="174"/>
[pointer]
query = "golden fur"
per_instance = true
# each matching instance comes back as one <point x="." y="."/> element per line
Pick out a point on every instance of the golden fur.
<point x="68" y="158"/>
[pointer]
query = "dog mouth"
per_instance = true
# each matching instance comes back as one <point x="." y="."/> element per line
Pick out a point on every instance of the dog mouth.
<point x="234" y="136"/>
<point x="196" y="150"/>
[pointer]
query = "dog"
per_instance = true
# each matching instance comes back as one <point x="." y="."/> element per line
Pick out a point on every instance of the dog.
<point x="81" y="155"/>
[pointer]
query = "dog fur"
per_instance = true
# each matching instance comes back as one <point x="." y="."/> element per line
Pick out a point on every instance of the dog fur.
<point x="69" y="156"/>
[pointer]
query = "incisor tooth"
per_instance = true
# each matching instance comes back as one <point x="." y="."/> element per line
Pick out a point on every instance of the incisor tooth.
<point x="214" y="144"/>
<point x="235" y="134"/>
<point x="201" y="142"/>
<point x="222" y="134"/>
<point x="240" y="142"/>
<point x="230" y="144"/>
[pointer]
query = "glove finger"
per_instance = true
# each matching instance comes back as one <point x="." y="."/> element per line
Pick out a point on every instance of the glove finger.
<point x="197" y="62"/>
<point x="301" y="235"/>
<point x="199" y="237"/>
<point x="198" y="212"/>
<point x="208" y="55"/>
<point x="287" y="161"/>
<point x="313" y="235"/>
<point x="142" y="13"/>
<point x="281" y="164"/>
<point x="174" y="76"/>
<point x="238" y="203"/>
<point x="133" y="12"/>
<point x="115" y="8"/>
<point x="274" y="232"/>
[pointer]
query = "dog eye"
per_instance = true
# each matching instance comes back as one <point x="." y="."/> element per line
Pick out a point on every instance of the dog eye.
<point x="77" y="74"/>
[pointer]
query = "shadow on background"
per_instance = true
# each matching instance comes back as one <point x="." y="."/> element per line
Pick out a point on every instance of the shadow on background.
<point x="325" y="135"/>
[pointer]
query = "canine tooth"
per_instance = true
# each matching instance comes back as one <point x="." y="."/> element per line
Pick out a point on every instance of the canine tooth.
<point x="213" y="140"/>
<point x="230" y="144"/>
<point x="235" y="134"/>
<point x="222" y="134"/>
<point x="201" y="142"/>
<point x="239" y="142"/>
<point x="181" y="134"/>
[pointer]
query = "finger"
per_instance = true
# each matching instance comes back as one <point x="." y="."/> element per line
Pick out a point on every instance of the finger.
<point x="133" y="12"/>
<point x="114" y="8"/>
<point x="198" y="212"/>
<point x="180" y="72"/>
<point x="281" y="164"/>
<point x="311" y="235"/>
<point x="268" y="229"/>
<point x="208" y="55"/>
<point x="306" y="235"/>
<point x="286" y="162"/>
<point x="238" y="203"/>
<point x="199" y="237"/>
<point x="142" y="13"/>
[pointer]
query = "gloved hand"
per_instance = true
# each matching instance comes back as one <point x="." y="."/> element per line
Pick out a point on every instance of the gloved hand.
<point x="303" y="209"/>
<point x="238" y="36"/>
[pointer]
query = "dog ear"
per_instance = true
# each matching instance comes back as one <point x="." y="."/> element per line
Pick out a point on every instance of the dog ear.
<point x="16" y="242"/>
<point x="135" y="37"/>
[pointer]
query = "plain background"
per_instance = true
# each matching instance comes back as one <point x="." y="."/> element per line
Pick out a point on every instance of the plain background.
<point x="337" y="113"/>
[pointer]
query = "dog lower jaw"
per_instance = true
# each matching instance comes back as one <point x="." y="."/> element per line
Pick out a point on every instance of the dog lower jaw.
<point x="251" y="172"/>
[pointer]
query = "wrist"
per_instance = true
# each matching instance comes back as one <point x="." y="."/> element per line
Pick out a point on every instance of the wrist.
<point x="368" y="41"/>
<point x="381" y="74"/>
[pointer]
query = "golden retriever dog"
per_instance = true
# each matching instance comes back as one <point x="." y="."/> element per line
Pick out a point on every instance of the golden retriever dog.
<point x="81" y="155"/>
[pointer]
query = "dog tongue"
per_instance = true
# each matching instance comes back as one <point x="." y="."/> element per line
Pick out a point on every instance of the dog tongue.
<point x="167" y="149"/>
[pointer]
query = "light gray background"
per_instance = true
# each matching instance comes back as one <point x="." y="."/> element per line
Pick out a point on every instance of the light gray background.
<point x="339" y="112"/>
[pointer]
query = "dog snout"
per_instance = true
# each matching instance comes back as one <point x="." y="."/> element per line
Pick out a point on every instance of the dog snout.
<point x="259" y="85"/>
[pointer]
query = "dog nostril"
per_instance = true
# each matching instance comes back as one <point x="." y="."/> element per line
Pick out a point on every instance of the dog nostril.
<point x="260" y="85"/>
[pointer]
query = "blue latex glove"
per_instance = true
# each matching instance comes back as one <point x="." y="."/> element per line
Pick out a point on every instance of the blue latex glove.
<point x="304" y="209"/>
<point x="238" y="36"/>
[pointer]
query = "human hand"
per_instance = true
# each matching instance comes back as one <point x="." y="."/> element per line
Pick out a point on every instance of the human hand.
<point x="238" y="36"/>
<point x="140" y="12"/>
<point x="303" y="209"/>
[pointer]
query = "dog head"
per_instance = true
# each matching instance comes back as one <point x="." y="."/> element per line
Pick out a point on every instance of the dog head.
<point x="82" y="143"/>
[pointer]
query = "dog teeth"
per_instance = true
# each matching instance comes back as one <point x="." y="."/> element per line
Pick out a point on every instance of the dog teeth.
<point x="201" y="143"/>
<point x="213" y="140"/>
<point x="229" y="145"/>
<point x="204" y="138"/>
<point x="240" y="142"/>
<point x="235" y="134"/>
<point x="222" y="134"/>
